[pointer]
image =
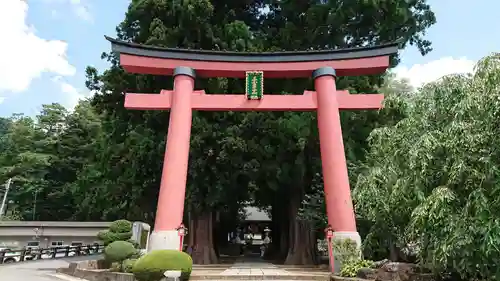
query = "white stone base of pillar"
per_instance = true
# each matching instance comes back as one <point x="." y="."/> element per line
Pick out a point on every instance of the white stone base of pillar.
<point x="164" y="240"/>
<point x="338" y="237"/>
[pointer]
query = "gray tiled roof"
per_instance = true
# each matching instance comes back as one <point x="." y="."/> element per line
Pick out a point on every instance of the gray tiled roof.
<point x="230" y="56"/>
<point x="254" y="214"/>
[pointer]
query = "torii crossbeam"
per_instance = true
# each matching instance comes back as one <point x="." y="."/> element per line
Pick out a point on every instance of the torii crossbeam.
<point x="184" y="65"/>
<point x="239" y="102"/>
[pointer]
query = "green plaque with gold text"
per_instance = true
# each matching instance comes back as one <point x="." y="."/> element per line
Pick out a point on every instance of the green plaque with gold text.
<point x="254" y="85"/>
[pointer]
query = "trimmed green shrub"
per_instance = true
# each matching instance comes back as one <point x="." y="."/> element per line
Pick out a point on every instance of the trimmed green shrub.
<point x="152" y="266"/>
<point x="120" y="230"/>
<point x="119" y="251"/>
<point x="128" y="265"/>
<point x="120" y="226"/>
<point x="136" y="245"/>
<point x="109" y="237"/>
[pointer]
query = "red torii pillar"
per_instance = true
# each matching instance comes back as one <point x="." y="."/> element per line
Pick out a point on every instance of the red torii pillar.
<point x="170" y="210"/>
<point x="338" y="200"/>
<point x="327" y="100"/>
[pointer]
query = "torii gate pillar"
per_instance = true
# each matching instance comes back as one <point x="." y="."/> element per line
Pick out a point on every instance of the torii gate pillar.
<point x="170" y="210"/>
<point x="338" y="201"/>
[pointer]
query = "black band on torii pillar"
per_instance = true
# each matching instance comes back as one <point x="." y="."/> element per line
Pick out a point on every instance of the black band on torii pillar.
<point x="184" y="70"/>
<point x="324" y="71"/>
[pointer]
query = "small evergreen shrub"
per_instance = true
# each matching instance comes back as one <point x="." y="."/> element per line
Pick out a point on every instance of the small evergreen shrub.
<point x="350" y="268"/>
<point x="136" y="245"/>
<point x="120" y="226"/>
<point x="120" y="230"/>
<point x="128" y="265"/>
<point x="108" y="237"/>
<point x="119" y="251"/>
<point x="153" y="265"/>
<point x="347" y="252"/>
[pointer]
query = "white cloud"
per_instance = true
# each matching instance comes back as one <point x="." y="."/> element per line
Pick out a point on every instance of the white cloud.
<point x="23" y="55"/>
<point x="420" y="74"/>
<point x="79" y="7"/>
<point x="1" y="99"/>
<point x="81" y="10"/>
<point x="71" y="94"/>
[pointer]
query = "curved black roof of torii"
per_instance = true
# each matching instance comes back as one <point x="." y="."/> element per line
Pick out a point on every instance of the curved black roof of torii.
<point x="231" y="56"/>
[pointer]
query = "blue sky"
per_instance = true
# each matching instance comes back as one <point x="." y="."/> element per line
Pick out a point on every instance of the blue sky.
<point x="48" y="44"/>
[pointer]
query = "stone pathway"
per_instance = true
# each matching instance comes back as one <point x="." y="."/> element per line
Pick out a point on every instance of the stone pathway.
<point x="254" y="268"/>
<point x="257" y="270"/>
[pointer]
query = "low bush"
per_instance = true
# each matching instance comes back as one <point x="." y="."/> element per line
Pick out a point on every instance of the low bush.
<point x="136" y="245"/>
<point x="119" y="251"/>
<point x="128" y="264"/>
<point x="348" y="254"/>
<point x="120" y="230"/>
<point x="108" y="237"/>
<point x="121" y="226"/>
<point x="153" y="265"/>
<point x="345" y="250"/>
<point x="350" y="268"/>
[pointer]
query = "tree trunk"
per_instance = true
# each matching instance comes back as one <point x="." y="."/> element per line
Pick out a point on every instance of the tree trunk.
<point x="284" y="243"/>
<point x="302" y="250"/>
<point x="203" y="250"/>
<point x="280" y="229"/>
<point x="393" y="253"/>
<point x="302" y="236"/>
<point x="216" y="234"/>
<point x="302" y="243"/>
<point x="191" y="231"/>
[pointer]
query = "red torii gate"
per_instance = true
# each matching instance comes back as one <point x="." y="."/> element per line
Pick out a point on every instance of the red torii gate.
<point x="184" y="65"/>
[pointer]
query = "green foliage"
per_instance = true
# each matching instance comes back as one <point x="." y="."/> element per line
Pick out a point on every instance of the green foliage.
<point x="108" y="237"/>
<point x="348" y="254"/>
<point x="13" y="216"/>
<point x="152" y="266"/>
<point x="431" y="180"/>
<point x="115" y="267"/>
<point x="119" y="251"/>
<point x="345" y="250"/>
<point x="121" y="226"/>
<point x="128" y="264"/>
<point x="43" y="155"/>
<point x="351" y="267"/>
<point x="120" y="230"/>
<point x="135" y="243"/>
